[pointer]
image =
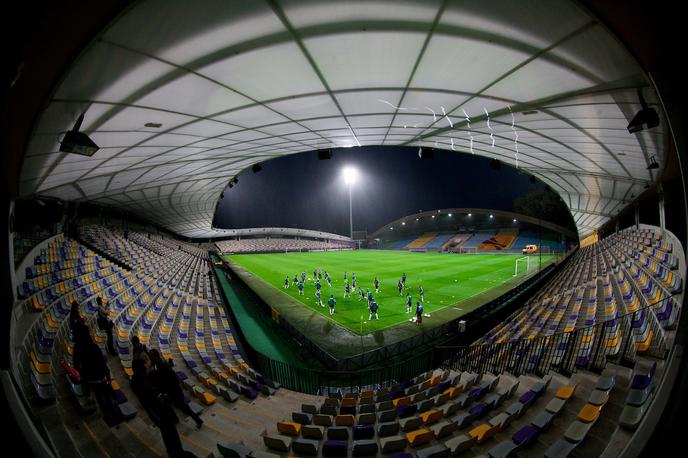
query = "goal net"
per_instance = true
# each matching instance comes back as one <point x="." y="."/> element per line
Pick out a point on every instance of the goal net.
<point x="522" y="265"/>
<point x="468" y="250"/>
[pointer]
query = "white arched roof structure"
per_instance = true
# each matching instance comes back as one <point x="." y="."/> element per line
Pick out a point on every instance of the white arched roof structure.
<point x="235" y="82"/>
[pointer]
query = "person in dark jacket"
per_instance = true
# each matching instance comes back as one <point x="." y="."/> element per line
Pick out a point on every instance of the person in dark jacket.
<point x="95" y="374"/>
<point x="75" y="317"/>
<point x="164" y="378"/>
<point x="159" y="409"/>
<point x="105" y="324"/>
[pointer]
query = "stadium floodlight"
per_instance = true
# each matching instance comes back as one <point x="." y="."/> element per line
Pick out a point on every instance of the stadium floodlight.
<point x="514" y="220"/>
<point x="450" y="214"/>
<point x="433" y="216"/>
<point x="403" y="223"/>
<point x="491" y="216"/>
<point x="350" y="174"/>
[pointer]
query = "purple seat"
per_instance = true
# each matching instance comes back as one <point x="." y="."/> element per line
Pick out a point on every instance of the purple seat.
<point x="363" y="432"/>
<point x="347" y="410"/>
<point x="640" y="381"/>
<point x="119" y="396"/>
<point x="335" y="448"/>
<point x="480" y="409"/>
<point x="406" y="411"/>
<point x="527" y="397"/>
<point x="525" y="435"/>
<point x="249" y="393"/>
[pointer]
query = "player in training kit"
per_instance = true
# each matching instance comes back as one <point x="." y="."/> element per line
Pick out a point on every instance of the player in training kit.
<point x="296" y="280"/>
<point x="419" y="313"/>
<point x="409" y="303"/>
<point x="373" y="311"/>
<point x="319" y="274"/>
<point x="353" y="281"/>
<point x="332" y="302"/>
<point x="317" y="296"/>
<point x="370" y="296"/>
<point x="345" y="275"/>
<point x="303" y="277"/>
<point x="403" y="278"/>
<point x="328" y="279"/>
<point x="315" y="274"/>
<point x="377" y="285"/>
<point x="347" y="290"/>
<point x="300" y="288"/>
<point x="421" y="292"/>
<point x="317" y="285"/>
<point x="286" y="281"/>
<point x="400" y="286"/>
<point x="361" y="294"/>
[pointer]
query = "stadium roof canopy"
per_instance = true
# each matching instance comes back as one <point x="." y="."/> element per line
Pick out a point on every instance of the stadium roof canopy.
<point x="183" y="96"/>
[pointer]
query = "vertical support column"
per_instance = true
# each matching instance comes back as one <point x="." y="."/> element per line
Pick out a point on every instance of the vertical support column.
<point x="660" y="205"/>
<point x="616" y="227"/>
<point x="637" y="217"/>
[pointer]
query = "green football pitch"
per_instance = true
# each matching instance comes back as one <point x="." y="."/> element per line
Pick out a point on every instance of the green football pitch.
<point x="448" y="280"/>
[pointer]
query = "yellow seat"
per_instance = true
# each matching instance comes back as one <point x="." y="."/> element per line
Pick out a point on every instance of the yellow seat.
<point x="114" y="385"/>
<point x="128" y="371"/>
<point x="67" y="346"/>
<point x="565" y="392"/>
<point x="401" y="401"/>
<point x="344" y="420"/>
<point x="41" y="368"/>
<point x="36" y="304"/>
<point x="289" y="428"/>
<point x="435" y="380"/>
<point x="206" y="398"/>
<point x="431" y="416"/>
<point x="589" y="413"/>
<point x="453" y="392"/>
<point x="419" y="437"/>
<point x="641" y="347"/>
<point x="483" y="432"/>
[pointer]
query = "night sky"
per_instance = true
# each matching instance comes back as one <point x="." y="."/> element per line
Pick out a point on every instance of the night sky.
<point x="302" y="191"/>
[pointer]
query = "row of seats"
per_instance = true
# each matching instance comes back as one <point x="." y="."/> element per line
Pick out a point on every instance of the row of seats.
<point x="261" y="245"/>
<point x="599" y="284"/>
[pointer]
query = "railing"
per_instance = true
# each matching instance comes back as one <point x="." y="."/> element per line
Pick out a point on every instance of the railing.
<point x="566" y="352"/>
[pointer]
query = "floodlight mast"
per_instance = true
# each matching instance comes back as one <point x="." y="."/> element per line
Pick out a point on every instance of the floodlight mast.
<point x="350" y="174"/>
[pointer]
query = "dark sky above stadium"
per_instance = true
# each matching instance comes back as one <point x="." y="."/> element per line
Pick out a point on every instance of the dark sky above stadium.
<point x="302" y="191"/>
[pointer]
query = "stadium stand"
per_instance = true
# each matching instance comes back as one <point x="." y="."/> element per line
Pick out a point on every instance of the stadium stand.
<point x="502" y="240"/>
<point x="421" y="241"/>
<point x="169" y="302"/>
<point x="456" y="242"/>
<point x="478" y="238"/>
<point x="267" y="245"/>
<point x="438" y="242"/>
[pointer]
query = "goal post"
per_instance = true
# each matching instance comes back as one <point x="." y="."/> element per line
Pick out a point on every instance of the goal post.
<point x="522" y="265"/>
<point x="468" y="250"/>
